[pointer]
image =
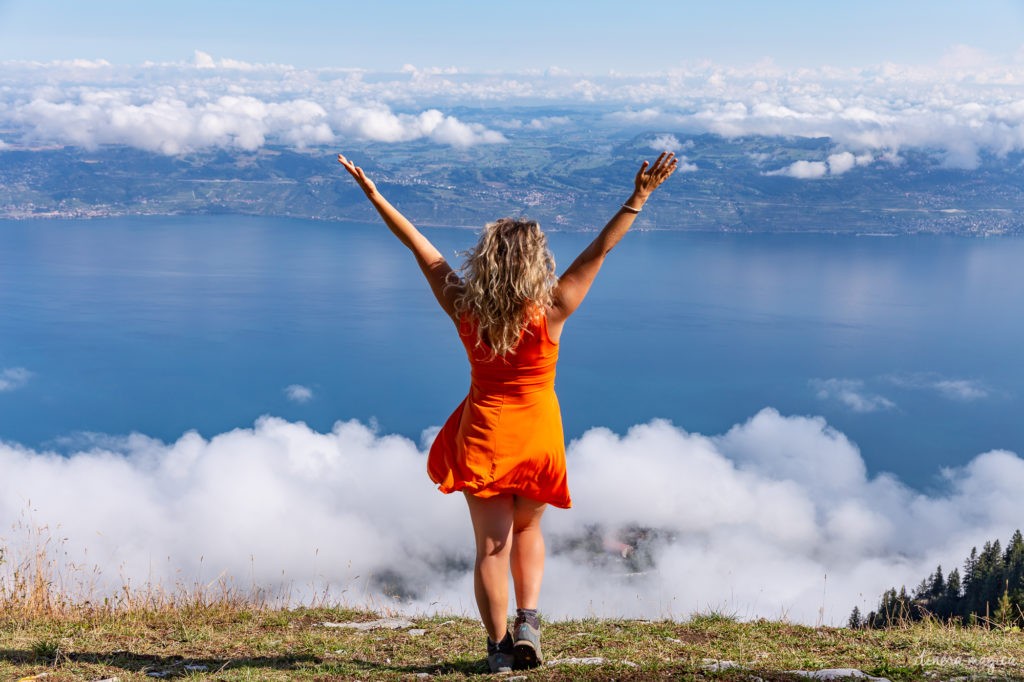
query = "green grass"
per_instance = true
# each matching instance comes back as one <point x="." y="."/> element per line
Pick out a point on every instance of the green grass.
<point x="231" y="642"/>
<point x="56" y="626"/>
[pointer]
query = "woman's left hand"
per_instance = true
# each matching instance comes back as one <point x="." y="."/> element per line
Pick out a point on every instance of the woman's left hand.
<point x="365" y="183"/>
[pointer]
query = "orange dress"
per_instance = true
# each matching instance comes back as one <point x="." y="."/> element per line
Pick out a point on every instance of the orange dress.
<point x="506" y="436"/>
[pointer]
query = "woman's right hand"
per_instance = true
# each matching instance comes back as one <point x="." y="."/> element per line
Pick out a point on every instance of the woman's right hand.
<point x="649" y="180"/>
<point x="365" y="183"/>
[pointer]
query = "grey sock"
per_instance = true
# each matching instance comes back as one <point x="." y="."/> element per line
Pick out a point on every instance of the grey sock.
<point x="530" y="616"/>
<point x="505" y="645"/>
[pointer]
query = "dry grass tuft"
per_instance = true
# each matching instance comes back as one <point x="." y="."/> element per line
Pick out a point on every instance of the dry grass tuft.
<point x="38" y="581"/>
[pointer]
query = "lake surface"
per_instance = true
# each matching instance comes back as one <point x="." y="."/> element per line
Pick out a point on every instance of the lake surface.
<point x="908" y="345"/>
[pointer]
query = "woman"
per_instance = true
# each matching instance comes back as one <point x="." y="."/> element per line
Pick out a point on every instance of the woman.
<point x="503" y="445"/>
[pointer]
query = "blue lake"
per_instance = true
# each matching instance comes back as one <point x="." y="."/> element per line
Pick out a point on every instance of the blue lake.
<point x="908" y="345"/>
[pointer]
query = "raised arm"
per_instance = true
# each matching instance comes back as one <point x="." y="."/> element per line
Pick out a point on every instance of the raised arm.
<point x="435" y="268"/>
<point x="575" y="282"/>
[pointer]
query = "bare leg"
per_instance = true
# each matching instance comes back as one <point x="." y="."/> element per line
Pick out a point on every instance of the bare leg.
<point x="527" y="551"/>
<point x="492" y="525"/>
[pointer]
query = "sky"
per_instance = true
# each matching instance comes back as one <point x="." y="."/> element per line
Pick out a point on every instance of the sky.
<point x="596" y="36"/>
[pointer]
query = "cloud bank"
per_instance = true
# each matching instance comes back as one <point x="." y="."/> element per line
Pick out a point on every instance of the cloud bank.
<point x="208" y="103"/>
<point x="171" y="126"/>
<point x="775" y="518"/>
<point x="965" y="107"/>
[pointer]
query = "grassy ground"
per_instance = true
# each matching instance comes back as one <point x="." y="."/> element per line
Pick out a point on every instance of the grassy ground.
<point x="236" y="643"/>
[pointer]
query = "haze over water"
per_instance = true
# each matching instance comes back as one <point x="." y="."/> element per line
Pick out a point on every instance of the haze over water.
<point x="907" y="345"/>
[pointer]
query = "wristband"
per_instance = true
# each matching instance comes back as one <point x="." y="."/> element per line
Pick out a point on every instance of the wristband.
<point x="630" y="209"/>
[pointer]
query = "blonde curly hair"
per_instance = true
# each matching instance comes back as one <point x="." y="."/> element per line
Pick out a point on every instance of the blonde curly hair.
<point x="506" y="277"/>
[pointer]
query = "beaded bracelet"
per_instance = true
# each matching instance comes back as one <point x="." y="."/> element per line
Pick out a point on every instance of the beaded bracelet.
<point x="630" y="209"/>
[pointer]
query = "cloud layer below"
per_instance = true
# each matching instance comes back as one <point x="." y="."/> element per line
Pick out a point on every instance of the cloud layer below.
<point x="775" y="518"/>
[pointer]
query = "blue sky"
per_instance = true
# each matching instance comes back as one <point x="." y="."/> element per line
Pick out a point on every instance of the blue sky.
<point x="589" y="37"/>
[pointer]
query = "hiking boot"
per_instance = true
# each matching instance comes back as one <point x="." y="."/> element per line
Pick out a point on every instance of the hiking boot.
<point x="500" y="662"/>
<point x="527" y="643"/>
<point x="499" y="656"/>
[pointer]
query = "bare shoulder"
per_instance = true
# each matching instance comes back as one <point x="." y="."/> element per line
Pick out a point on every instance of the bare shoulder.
<point x="453" y="289"/>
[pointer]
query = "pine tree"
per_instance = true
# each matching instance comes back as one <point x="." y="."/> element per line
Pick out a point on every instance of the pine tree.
<point x="1013" y="561"/>
<point x="970" y="564"/>
<point x="950" y="602"/>
<point x="992" y="577"/>
<point x="953" y="585"/>
<point x="1015" y="548"/>
<point x="938" y="585"/>
<point x="856" y="621"/>
<point x="977" y="570"/>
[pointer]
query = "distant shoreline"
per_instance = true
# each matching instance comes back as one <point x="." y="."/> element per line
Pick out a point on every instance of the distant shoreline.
<point x="89" y="216"/>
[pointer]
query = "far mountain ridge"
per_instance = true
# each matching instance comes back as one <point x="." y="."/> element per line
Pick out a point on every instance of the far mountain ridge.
<point x="570" y="181"/>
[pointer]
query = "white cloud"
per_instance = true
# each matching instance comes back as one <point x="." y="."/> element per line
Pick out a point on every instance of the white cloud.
<point x="430" y="70"/>
<point x="803" y="170"/>
<point x="203" y="60"/>
<point x="864" y="159"/>
<point x="298" y="393"/>
<point x="841" y="162"/>
<point x="13" y="378"/>
<point x="964" y="57"/>
<point x="671" y="143"/>
<point x="377" y="122"/>
<point x="85" y="63"/>
<point x="851" y="393"/>
<point x="961" y="389"/>
<point x="750" y="522"/>
<point x="548" y="122"/>
<point x="964" y="390"/>
<point x="836" y="164"/>
<point x="171" y="126"/>
<point x="650" y="115"/>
